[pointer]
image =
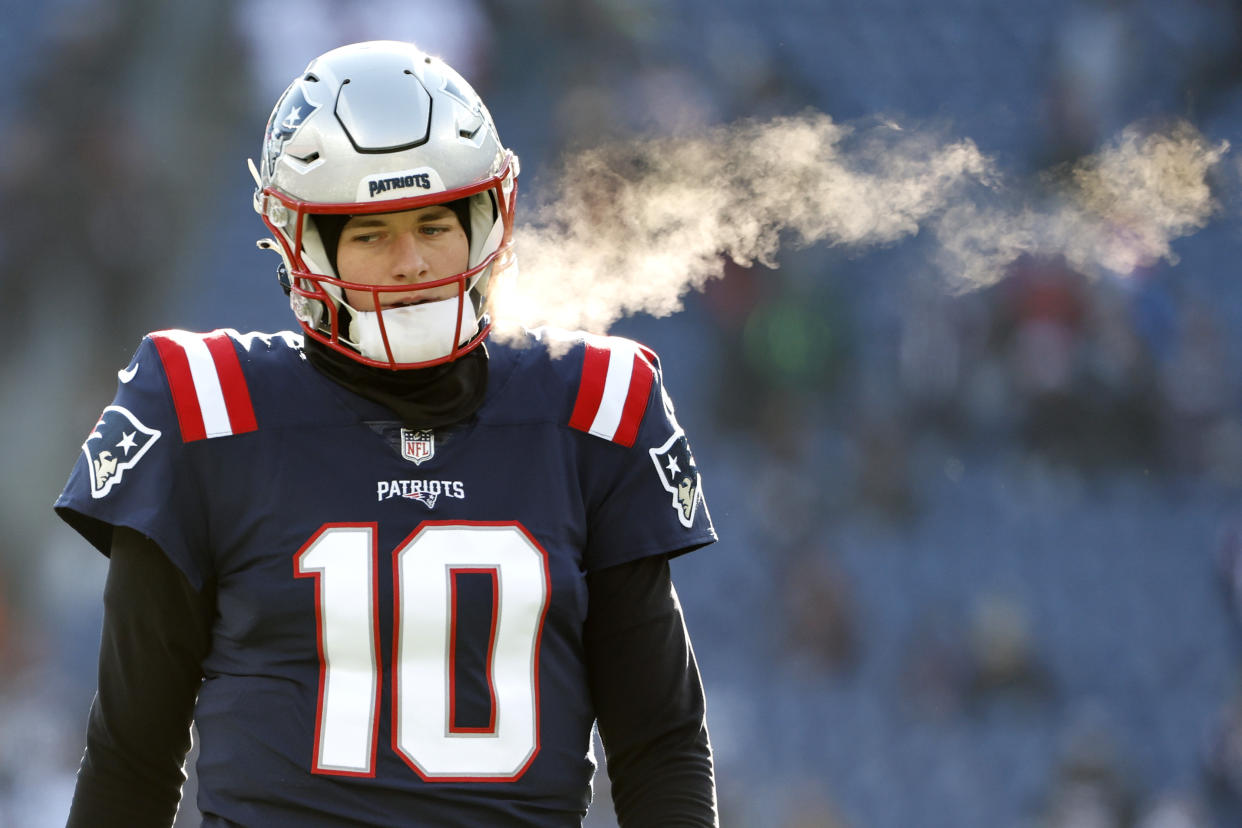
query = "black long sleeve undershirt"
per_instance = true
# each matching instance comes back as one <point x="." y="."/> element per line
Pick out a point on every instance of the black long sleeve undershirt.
<point x="157" y="630"/>
<point x="648" y="698"/>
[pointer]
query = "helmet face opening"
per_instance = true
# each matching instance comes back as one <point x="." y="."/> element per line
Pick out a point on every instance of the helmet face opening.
<point x="382" y="128"/>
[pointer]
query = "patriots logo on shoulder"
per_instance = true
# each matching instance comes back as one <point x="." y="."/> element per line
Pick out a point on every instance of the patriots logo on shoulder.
<point x="679" y="476"/>
<point x="117" y="443"/>
<point x="418" y="446"/>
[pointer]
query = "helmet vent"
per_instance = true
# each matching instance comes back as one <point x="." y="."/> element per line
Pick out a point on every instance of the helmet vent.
<point x="312" y="77"/>
<point x="384" y="113"/>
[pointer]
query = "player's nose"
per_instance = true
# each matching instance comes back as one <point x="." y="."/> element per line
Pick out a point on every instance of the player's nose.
<point x="409" y="262"/>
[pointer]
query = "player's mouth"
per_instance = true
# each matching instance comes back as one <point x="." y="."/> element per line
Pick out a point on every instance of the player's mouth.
<point x="405" y="303"/>
<point x="420" y="298"/>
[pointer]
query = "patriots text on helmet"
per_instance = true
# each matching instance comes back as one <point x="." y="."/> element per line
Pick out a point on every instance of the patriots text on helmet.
<point x="420" y="180"/>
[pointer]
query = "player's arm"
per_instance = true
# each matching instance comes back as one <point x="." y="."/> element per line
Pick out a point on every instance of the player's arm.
<point x="648" y="698"/>
<point x="156" y="632"/>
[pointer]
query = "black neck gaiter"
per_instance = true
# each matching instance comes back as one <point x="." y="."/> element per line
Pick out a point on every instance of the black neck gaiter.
<point x="422" y="398"/>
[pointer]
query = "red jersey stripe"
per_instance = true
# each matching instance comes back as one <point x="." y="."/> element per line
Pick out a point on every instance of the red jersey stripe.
<point x="591" y="388"/>
<point x="181" y="384"/>
<point x="635" y="400"/>
<point x="232" y="382"/>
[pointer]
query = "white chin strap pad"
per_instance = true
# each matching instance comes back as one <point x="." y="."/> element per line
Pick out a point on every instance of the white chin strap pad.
<point x="416" y="333"/>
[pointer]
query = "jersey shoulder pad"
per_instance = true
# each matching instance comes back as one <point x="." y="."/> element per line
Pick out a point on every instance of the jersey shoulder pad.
<point x="210" y="389"/>
<point x="614" y="386"/>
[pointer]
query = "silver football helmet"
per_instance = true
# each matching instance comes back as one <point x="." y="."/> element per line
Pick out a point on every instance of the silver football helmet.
<point x="381" y="127"/>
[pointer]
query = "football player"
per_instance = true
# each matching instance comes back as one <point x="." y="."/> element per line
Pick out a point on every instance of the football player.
<point x="394" y="570"/>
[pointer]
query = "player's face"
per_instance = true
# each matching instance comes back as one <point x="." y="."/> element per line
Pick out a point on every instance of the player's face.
<point x="412" y="247"/>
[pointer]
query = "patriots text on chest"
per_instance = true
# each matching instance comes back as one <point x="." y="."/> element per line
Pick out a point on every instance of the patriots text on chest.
<point x="385" y="489"/>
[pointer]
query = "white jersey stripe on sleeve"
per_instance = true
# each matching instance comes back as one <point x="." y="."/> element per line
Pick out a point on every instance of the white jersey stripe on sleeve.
<point x="206" y="385"/>
<point x="616" y="388"/>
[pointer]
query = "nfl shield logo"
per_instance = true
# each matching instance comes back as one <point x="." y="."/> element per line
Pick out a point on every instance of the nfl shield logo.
<point x="418" y="446"/>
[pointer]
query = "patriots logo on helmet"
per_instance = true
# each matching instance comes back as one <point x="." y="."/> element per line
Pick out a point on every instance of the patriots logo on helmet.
<point x="679" y="476"/>
<point x="287" y="118"/>
<point x="117" y="443"/>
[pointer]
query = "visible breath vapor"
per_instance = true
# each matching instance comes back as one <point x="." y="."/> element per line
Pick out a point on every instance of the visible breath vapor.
<point x="1117" y="210"/>
<point x="632" y="227"/>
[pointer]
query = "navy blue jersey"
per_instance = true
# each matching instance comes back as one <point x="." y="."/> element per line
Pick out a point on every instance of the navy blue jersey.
<point x="400" y="612"/>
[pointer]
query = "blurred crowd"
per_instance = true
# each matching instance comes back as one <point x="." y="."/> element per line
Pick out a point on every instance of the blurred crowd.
<point x="981" y="557"/>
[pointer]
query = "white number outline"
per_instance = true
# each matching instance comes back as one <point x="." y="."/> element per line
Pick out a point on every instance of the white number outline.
<point x="482" y="564"/>
<point x="317" y="765"/>
<point x="536" y="635"/>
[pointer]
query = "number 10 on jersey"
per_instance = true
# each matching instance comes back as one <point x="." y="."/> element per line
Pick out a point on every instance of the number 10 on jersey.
<point x="343" y="559"/>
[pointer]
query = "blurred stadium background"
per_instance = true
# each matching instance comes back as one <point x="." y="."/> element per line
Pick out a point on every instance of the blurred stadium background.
<point x="981" y="557"/>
